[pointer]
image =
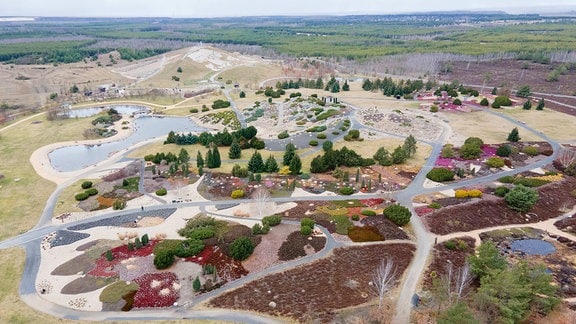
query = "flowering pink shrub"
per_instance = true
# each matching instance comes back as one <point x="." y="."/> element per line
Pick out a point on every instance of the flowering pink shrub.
<point x="156" y="290"/>
<point x="488" y="151"/>
<point x="444" y="162"/>
<point x="421" y="211"/>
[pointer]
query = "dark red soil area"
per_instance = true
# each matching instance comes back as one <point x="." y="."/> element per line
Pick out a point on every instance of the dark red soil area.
<point x="385" y="227"/>
<point x="442" y="257"/>
<point x="567" y="224"/>
<point x="234" y="231"/>
<point x="316" y="291"/>
<point x="228" y="268"/>
<point x="295" y="245"/>
<point x="489" y="213"/>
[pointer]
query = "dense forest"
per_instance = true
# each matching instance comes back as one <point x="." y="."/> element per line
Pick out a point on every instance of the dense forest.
<point x="50" y="40"/>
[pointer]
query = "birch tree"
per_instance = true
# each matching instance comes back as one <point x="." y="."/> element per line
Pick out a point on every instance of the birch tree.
<point x="383" y="279"/>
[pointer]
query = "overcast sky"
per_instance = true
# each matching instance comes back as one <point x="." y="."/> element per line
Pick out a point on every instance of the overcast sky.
<point x="227" y="8"/>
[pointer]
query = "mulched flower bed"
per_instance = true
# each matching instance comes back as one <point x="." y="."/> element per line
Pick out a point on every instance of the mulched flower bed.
<point x="442" y="257"/>
<point x="203" y="256"/>
<point x="105" y="268"/>
<point x="228" y="269"/>
<point x="424" y="210"/>
<point x="451" y="201"/>
<point x="124" y="219"/>
<point x="294" y="245"/>
<point x="385" y="227"/>
<point x="316" y="291"/>
<point x="156" y="290"/>
<point x="488" y="213"/>
<point x="567" y="224"/>
<point x="64" y="237"/>
<point x="86" y="284"/>
<point x="299" y="211"/>
<point x="373" y="202"/>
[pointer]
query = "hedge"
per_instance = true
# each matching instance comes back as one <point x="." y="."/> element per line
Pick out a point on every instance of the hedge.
<point x="81" y="196"/>
<point x="241" y="248"/>
<point x="501" y="191"/>
<point x="161" y="192"/>
<point x="272" y="220"/>
<point x="368" y="212"/>
<point x="92" y="191"/>
<point x="440" y="175"/>
<point x="86" y="184"/>
<point x="398" y="214"/>
<point x="346" y="191"/>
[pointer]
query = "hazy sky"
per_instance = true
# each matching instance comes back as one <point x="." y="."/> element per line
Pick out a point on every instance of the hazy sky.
<point x="224" y="8"/>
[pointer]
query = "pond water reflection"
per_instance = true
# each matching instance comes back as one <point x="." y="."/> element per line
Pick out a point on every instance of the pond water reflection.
<point x="533" y="247"/>
<point x="77" y="157"/>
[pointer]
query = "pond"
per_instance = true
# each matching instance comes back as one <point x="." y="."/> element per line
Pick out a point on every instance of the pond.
<point x="92" y="111"/>
<point x="77" y="157"/>
<point x="533" y="247"/>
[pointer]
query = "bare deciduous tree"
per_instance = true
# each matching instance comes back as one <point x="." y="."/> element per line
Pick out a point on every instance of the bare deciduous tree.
<point x="450" y="287"/>
<point x="383" y="279"/>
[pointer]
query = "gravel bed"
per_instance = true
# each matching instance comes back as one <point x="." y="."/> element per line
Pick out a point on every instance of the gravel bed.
<point x="124" y="219"/>
<point x="64" y="237"/>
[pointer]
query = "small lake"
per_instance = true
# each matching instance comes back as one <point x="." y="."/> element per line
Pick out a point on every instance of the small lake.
<point x="77" y="157"/>
<point x="92" y="111"/>
<point x="533" y="247"/>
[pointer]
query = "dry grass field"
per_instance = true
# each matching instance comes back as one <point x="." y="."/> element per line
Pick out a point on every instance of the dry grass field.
<point x="491" y="129"/>
<point x="249" y="76"/>
<point x="23" y="193"/>
<point x="555" y="125"/>
<point x="42" y="80"/>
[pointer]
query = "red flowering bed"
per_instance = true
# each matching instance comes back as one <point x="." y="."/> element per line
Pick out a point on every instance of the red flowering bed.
<point x="372" y="202"/>
<point x="228" y="269"/>
<point x="156" y="290"/>
<point x="420" y="211"/>
<point x="203" y="256"/>
<point x="105" y="268"/>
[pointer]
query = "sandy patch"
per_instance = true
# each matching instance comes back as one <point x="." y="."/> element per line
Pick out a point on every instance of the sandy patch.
<point x="150" y="221"/>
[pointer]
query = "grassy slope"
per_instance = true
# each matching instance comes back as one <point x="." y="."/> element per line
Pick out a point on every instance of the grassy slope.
<point x="23" y="193"/>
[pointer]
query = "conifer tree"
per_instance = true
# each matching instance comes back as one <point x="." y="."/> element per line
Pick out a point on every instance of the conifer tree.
<point x="256" y="164"/>
<point x="540" y="104"/>
<point x="514" y="135"/>
<point x="271" y="165"/>
<point x="235" y="150"/>
<point x="295" y="165"/>
<point x="199" y="160"/>
<point x="216" y="156"/>
<point x="289" y="153"/>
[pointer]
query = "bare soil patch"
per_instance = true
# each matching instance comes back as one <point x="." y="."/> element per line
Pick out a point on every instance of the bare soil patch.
<point x="266" y="253"/>
<point x="317" y="291"/>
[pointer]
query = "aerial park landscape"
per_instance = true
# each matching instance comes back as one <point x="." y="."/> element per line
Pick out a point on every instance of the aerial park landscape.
<point x="393" y="169"/>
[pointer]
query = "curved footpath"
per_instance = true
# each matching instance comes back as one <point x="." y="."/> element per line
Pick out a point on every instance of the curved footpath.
<point x="424" y="241"/>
